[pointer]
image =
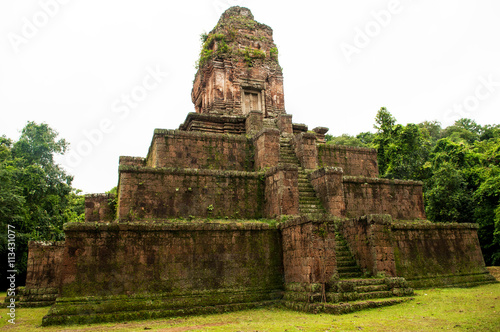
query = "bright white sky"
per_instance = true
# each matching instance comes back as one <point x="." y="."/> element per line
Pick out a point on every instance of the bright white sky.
<point x="71" y="69"/>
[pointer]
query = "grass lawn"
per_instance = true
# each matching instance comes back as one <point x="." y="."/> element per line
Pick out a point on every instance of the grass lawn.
<point x="458" y="309"/>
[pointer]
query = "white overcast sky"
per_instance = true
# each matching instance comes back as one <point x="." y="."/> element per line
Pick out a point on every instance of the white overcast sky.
<point x="426" y="60"/>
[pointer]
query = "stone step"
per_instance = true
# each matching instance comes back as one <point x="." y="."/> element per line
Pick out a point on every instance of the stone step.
<point x="370" y="288"/>
<point x="348" y="269"/>
<point x="308" y="200"/>
<point x="310" y="208"/>
<point x="357" y="282"/>
<point x="343" y="308"/>
<point x="349" y="275"/>
<point x="345" y="263"/>
<point x="312" y="211"/>
<point x="346" y="256"/>
<point x="333" y="297"/>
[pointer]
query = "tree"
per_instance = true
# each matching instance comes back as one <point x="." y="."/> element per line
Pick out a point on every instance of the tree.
<point x="35" y="193"/>
<point x="384" y="123"/>
<point x="407" y="153"/>
<point x="402" y="150"/>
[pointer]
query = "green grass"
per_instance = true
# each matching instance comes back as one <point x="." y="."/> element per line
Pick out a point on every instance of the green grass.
<point x="458" y="309"/>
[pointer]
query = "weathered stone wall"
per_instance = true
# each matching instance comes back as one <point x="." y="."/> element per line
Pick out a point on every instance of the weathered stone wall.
<point x="328" y="184"/>
<point x="44" y="264"/>
<point x="436" y="254"/>
<point x="426" y="254"/>
<point x="147" y="270"/>
<point x="306" y="150"/>
<point x="132" y="161"/>
<point x="183" y="149"/>
<point x="152" y="193"/>
<point x="370" y="242"/>
<point x="267" y="148"/>
<point x="354" y="161"/>
<point x="401" y="199"/>
<point x="281" y="191"/>
<point x="169" y="257"/>
<point x="100" y="207"/>
<point x="308" y="251"/>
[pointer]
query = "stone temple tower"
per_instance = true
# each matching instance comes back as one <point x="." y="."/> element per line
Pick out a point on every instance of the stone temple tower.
<point x="238" y="69"/>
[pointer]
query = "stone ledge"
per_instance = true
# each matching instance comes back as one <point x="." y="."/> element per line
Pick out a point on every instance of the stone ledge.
<point x="128" y="160"/>
<point x="211" y="118"/>
<point x="419" y="226"/>
<point x="200" y="135"/>
<point x="291" y="221"/>
<point x="44" y="244"/>
<point x="452" y="280"/>
<point x="273" y="131"/>
<point x="282" y="167"/>
<point x="315" y="174"/>
<point x="349" y="148"/>
<point x="56" y="317"/>
<point x="98" y="195"/>
<point x="187" y="171"/>
<point x="154" y="226"/>
<point x="364" y="179"/>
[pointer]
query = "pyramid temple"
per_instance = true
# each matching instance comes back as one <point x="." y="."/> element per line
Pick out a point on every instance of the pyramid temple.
<point x="240" y="208"/>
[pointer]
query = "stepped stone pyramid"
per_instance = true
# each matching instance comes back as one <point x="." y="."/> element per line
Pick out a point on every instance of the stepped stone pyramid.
<point x="240" y="208"/>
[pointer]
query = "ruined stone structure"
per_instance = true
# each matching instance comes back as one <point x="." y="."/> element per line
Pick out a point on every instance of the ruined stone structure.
<point x="240" y="207"/>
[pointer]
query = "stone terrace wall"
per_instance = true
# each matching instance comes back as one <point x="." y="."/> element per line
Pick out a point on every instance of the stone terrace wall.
<point x="426" y="254"/>
<point x="100" y="207"/>
<point x="370" y="242"/>
<point x="401" y="199"/>
<point x="436" y="254"/>
<point x="159" y="193"/>
<point x="182" y="149"/>
<point x="146" y="270"/>
<point x="44" y="264"/>
<point x="136" y="258"/>
<point x="354" y="161"/>
<point x="308" y="251"/>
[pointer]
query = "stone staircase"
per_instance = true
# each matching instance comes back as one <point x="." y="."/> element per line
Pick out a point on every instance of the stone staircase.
<point x="346" y="265"/>
<point x="348" y="292"/>
<point x="344" y="296"/>
<point x="287" y="153"/>
<point x="308" y="201"/>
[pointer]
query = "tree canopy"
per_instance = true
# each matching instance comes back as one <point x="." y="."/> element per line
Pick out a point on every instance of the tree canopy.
<point x="36" y="196"/>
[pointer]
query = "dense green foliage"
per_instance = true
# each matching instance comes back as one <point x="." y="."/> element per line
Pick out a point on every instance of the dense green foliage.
<point x="459" y="166"/>
<point x="36" y="197"/>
